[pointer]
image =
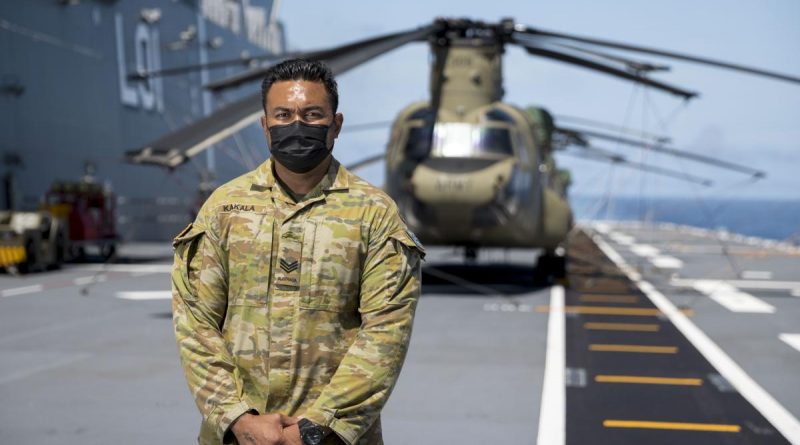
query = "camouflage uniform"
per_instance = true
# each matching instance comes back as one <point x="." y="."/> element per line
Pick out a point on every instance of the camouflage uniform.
<point x="299" y="308"/>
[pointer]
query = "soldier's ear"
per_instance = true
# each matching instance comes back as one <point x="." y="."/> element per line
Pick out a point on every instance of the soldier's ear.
<point x="338" y="120"/>
<point x="264" y="127"/>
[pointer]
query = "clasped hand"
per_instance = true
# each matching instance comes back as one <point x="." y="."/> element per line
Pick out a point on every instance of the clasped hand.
<point x="267" y="429"/>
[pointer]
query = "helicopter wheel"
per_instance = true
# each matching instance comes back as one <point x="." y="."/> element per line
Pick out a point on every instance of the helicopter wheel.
<point x="551" y="266"/>
<point x="470" y="254"/>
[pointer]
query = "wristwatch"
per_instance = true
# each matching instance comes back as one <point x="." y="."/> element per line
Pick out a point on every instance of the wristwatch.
<point x="310" y="432"/>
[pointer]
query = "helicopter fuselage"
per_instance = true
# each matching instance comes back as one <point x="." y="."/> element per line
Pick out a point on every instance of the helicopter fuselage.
<point x="468" y="169"/>
<point x="481" y="181"/>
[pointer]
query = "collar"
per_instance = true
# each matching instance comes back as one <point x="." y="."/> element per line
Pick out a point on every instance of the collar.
<point x="336" y="179"/>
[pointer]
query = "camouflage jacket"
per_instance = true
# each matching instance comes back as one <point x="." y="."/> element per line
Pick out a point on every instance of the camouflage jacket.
<point x="298" y="308"/>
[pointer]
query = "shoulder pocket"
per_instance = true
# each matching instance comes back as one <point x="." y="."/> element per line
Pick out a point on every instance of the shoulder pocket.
<point x="407" y="238"/>
<point x="186" y="246"/>
<point x="186" y="235"/>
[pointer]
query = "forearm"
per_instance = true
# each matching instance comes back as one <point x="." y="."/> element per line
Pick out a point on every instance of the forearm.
<point x="357" y="392"/>
<point x="199" y="300"/>
<point x="209" y="369"/>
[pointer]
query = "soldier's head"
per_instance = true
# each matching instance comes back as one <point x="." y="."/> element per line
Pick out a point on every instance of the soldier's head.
<point x="300" y="100"/>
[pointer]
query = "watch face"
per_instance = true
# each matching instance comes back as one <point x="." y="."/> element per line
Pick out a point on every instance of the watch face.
<point x="311" y="433"/>
<point x="312" y="436"/>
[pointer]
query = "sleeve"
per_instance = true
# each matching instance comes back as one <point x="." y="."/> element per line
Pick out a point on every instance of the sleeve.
<point x="390" y="288"/>
<point x="199" y="302"/>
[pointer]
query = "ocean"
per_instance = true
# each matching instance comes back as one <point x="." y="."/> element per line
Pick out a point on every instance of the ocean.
<point x="772" y="219"/>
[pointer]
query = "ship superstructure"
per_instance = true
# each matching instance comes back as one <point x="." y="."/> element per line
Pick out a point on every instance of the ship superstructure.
<point x="70" y="100"/>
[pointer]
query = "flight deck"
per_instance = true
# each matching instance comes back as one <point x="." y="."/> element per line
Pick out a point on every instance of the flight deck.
<point x="662" y="334"/>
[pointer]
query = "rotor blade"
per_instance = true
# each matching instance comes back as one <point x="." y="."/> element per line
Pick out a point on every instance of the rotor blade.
<point x="582" y="134"/>
<point x="671" y="151"/>
<point x="366" y="162"/>
<point x="561" y="139"/>
<point x="347" y="55"/>
<point x="656" y="52"/>
<point x="635" y="65"/>
<point x="535" y="49"/>
<point x="595" y="154"/>
<point x="177" y="147"/>
<point x="612" y="127"/>
<point x="365" y="126"/>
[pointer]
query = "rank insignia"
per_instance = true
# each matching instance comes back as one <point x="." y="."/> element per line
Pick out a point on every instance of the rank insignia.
<point x="289" y="266"/>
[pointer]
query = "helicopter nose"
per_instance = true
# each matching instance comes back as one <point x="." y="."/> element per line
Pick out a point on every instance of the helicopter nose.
<point x="458" y="165"/>
<point x="461" y="182"/>
<point x="505" y="202"/>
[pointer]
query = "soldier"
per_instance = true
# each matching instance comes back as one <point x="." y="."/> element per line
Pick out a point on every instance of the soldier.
<point x="294" y="289"/>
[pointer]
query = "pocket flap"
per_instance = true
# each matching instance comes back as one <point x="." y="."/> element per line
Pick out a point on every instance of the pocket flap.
<point x="186" y="235"/>
<point x="410" y="240"/>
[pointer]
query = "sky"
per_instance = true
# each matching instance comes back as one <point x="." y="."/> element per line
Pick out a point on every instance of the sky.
<point x="738" y="117"/>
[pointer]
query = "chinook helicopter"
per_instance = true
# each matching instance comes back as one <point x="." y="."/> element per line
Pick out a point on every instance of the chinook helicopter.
<point x="465" y="168"/>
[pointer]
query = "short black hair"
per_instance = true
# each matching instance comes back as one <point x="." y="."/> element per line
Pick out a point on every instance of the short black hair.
<point x="301" y="69"/>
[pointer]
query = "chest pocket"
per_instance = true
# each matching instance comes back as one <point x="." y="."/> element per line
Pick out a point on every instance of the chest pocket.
<point x="249" y="246"/>
<point x="336" y="262"/>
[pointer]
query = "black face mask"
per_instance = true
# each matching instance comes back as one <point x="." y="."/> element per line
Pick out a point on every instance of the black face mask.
<point x="299" y="146"/>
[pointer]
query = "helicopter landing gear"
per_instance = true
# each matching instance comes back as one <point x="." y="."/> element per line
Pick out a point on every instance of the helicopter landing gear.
<point x="470" y="254"/>
<point x="551" y="266"/>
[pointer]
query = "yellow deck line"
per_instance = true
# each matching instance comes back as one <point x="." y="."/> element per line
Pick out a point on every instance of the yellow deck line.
<point x="638" y="327"/>
<point x="634" y="348"/>
<point x="608" y="310"/>
<point x="644" y="380"/>
<point x="605" y="310"/>
<point x="720" y="428"/>
<point x="600" y="298"/>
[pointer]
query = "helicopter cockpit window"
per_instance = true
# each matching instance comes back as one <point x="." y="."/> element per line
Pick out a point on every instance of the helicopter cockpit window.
<point x="499" y="116"/>
<point x="465" y="140"/>
<point x="421" y="114"/>
<point x="418" y="144"/>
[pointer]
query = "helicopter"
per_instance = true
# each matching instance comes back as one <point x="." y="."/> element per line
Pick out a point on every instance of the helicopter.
<point x="465" y="168"/>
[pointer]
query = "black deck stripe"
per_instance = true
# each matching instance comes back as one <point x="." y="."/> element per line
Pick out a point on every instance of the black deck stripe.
<point x="588" y="407"/>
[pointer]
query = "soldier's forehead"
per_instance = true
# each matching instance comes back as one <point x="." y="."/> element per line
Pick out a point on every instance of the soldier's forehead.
<point x="296" y="91"/>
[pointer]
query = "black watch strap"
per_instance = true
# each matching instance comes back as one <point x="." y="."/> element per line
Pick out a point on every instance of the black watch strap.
<point x="310" y="432"/>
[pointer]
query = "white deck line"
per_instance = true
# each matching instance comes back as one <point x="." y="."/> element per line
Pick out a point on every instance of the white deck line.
<point x="553" y="411"/>
<point x="792" y="340"/>
<point x="744" y="284"/>
<point x="21" y="290"/>
<point x="655" y="257"/>
<point x="732" y="298"/>
<point x="645" y="250"/>
<point x="666" y="262"/>
<point x="81" y="281"/>
<point x="145" y="295"/>
<point x="621" y="238"/>
<point x="129" y="268"/>
<point x="770" y="408"/>
<point x="756" y="275"/>
<point x="602" y="227"/>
